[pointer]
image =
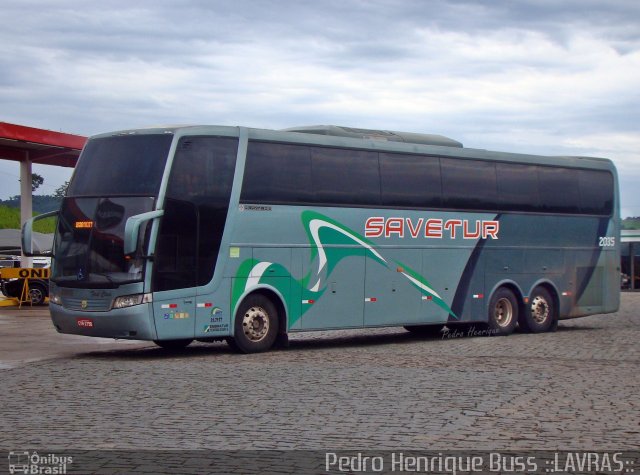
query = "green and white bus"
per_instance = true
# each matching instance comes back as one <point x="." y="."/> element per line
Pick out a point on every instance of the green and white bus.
<point x="208" y="232"/>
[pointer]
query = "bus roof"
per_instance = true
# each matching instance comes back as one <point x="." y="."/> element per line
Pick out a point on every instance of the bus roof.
<point x="381" y="140"/>
<point x="382" y="135"/>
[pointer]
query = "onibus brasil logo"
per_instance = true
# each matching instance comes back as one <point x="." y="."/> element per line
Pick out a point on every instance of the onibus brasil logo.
<point x="34" y="463"/>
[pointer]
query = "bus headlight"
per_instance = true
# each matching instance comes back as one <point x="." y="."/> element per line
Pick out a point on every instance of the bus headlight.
<point x="131" y="300"/>
<point x="55" y="298"/>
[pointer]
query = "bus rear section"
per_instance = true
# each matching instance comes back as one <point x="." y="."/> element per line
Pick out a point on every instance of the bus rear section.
<point x="386" y="235"/>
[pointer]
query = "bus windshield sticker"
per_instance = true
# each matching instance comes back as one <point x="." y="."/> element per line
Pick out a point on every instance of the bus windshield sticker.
<point x="254" y="208"/>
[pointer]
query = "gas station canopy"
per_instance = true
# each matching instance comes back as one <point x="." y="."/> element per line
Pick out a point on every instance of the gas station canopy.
<point x="46" y="147"/>
<point x="29" y="145"/>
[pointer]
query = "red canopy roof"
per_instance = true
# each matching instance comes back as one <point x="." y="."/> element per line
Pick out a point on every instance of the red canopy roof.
<point x="17" y="142"/>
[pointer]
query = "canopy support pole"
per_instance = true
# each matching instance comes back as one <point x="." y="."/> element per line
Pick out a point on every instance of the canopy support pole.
<point x="26" y="200"/>
<point x="632" y="267"/>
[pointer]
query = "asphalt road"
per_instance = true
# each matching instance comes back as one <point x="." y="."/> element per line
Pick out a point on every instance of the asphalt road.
<point x="374" y="390"/>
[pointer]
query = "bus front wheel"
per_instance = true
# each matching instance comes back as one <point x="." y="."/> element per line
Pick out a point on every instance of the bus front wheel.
<point x="256" y="325"/>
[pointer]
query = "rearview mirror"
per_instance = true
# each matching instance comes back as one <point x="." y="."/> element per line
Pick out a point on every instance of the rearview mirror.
<point x="26" y="236"/>
<point x="132" y="229"/>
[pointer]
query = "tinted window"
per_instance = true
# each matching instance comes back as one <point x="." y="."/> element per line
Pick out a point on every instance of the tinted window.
<point x="345" y="177"/>
<point x="197" y="202"/>
<point x="468" y="184"/>
<point x="596" y="192"/>
<point x="411" y="181"/>
<point x="90" y="241"/>
<point x="203" y="169"/>
<point x="308" y="175"/>
<point x="277" y="173"/>
<point x="518" y="187"/>
<point x="122" y="165"/>
<point x="176" y="249"/>
<point x="558" y="190"/>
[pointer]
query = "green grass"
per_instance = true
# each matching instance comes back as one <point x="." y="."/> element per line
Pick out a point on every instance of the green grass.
<point x="10" y="219"/>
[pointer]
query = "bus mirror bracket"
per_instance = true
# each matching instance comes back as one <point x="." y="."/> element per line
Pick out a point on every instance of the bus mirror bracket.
<point x="26" y="236"/>
<point x="132" y="229"/>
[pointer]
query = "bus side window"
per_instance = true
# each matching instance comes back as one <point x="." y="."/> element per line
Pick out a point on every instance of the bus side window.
<point x="559" y="192"/>
<point x="469" y="184"/>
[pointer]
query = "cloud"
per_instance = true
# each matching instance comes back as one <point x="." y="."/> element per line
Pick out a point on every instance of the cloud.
<point x="530" y="76"/>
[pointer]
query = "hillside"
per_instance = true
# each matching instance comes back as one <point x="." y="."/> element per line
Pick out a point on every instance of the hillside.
<point x="631" y="223"/>
<point x="41" y="203"/>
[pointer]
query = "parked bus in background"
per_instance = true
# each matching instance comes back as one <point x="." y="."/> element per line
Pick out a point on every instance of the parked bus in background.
<point x="208" y="233"/>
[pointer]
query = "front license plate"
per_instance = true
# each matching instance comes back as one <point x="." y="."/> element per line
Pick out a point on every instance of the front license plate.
<point x="85" y="322"/>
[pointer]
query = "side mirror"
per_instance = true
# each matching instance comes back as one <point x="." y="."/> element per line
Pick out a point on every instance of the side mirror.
<point x="132" y="229"/>
<point x="27" y="235"/>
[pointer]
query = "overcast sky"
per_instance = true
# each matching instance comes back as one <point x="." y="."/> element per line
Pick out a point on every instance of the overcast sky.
<point x="542" y="76"/>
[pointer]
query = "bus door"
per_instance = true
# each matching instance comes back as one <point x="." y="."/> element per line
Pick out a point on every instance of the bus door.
<point x="174" y="271"/>
<point x="195" y="212"/>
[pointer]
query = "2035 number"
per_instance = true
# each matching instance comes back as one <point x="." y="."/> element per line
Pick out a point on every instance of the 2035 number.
<point x="607" y="241"/>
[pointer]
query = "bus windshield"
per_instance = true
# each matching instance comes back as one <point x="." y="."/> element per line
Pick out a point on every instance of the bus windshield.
<point x="116" y="177"/>
<point x="121" y="166"/>
<point x="89" y="242"/>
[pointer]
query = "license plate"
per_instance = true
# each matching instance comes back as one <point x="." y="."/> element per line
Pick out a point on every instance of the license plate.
<point x="85" y="322"/>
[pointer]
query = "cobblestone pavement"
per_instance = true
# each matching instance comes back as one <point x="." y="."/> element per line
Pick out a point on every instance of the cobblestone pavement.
<point x="374" y="389"/>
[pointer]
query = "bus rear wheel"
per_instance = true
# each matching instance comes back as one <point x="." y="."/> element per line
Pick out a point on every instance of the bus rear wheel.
<point x="540" y="314"/>
<point x="503" y="312"/>
<point x="256" y="325"/>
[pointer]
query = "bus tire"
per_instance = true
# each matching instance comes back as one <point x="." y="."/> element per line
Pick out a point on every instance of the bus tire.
<point x="540" y="313"/>
<point x="425" y="330"/>
<point x="256" y="325"/>
<point x="173" y="344"/>
<point x="503" y="312"/>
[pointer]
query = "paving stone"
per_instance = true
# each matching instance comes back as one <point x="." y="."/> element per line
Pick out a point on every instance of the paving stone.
<point x="370" y="389"/>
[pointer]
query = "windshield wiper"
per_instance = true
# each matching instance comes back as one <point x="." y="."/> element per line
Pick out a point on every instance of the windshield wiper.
<point x="111" y="281"/>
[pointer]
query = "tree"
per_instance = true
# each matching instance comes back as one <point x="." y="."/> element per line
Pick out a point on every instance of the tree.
<point x="61" y="190"/>
<point x="36" y="181"/>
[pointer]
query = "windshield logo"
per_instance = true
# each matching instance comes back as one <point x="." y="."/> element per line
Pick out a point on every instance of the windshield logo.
<point x="80" y="275"/>
<point x="109" y="214"/>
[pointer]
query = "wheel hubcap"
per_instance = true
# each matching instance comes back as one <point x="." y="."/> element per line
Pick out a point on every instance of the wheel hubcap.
<point x="539" y="309"/>
<point x="503" y="312"/>
<point x="255" y="323"/>
<point x="35" y="295"/>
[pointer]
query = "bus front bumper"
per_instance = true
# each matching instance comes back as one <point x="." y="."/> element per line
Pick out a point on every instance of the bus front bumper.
<point x="132" y="323"/>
